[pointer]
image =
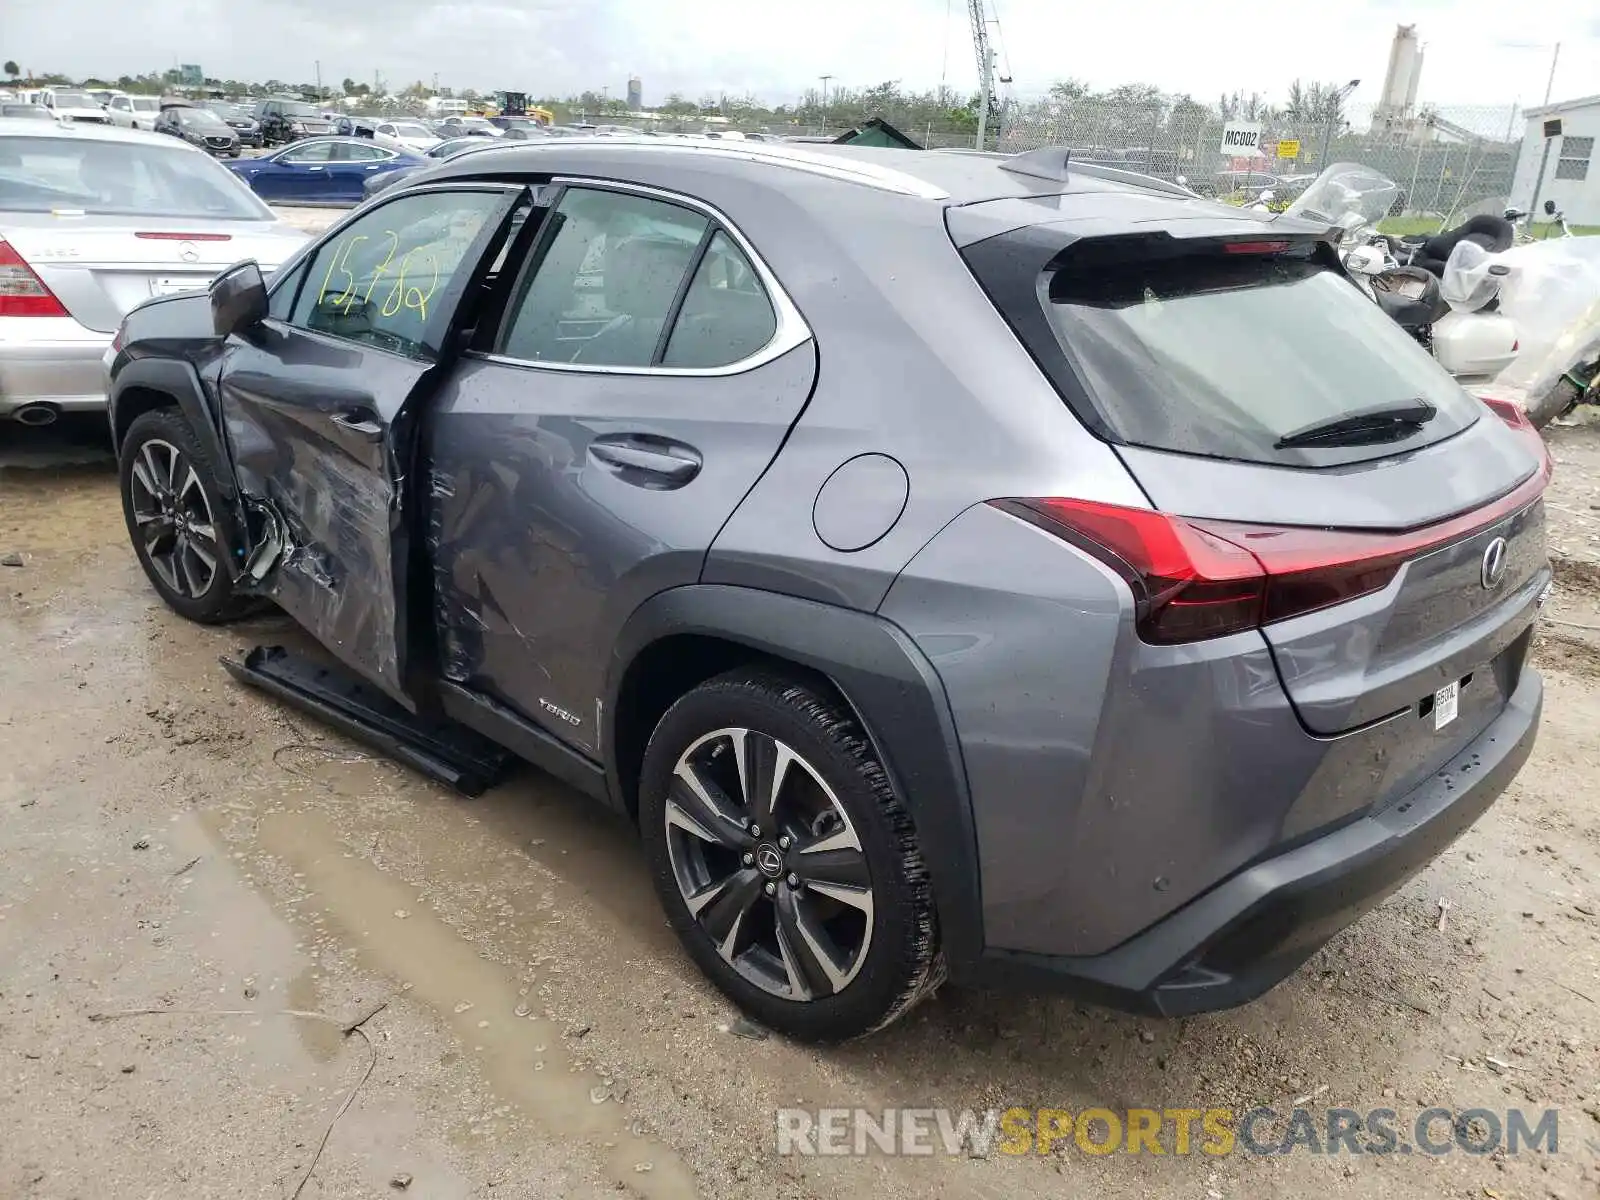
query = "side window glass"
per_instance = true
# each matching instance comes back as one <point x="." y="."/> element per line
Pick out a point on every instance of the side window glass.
<point x="726" y="315"/>
<point x="316" y="152"/>
<point x="607" y="281"/>
<point x="282" y="298"/>
<point x="382" y="278"/>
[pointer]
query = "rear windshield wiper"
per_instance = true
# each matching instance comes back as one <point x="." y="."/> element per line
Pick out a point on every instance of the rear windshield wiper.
<point x="1381" y="424"/>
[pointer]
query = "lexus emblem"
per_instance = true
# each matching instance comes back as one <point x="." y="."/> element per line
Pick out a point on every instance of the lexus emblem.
<point x="1494" y="564"/>
<point x="770" y="861"/>
<point x="188" y="253"/>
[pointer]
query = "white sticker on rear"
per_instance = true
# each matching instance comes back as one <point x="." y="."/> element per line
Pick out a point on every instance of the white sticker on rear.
<point x="1445" y="703"/>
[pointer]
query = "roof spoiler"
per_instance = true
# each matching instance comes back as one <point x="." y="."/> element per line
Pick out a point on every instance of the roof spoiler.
<point x="1055" y="164"/>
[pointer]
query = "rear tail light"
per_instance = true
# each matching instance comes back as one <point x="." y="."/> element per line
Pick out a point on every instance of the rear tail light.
<point x="1194" y="579"/>
<point x="1254" y="247"/>
<point x="23" y="293"/>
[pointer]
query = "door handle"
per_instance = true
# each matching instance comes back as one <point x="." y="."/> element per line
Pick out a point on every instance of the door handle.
<point x="359" y="421"/>
<point x="663" y="461"/>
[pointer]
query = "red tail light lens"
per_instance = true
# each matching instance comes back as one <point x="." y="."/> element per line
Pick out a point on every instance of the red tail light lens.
<point x="1188" y="583"/>
<point x="22" y="293"/>
<point x="1194" y="579"/>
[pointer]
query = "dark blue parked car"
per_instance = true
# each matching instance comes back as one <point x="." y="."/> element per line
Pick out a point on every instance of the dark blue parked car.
<point x="325" y="170"/>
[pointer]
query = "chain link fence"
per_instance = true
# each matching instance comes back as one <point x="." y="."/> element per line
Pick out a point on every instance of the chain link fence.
<point x="1448" y="162"/>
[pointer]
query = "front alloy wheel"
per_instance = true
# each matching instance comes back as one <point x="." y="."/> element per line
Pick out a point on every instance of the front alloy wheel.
<point x="179" y="530"/>
<point x="173" y="517"/>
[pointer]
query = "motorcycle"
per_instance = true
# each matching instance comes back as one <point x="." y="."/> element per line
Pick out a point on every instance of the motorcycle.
<point x="1509" y="320"/>
<point x="1445" y="299"/>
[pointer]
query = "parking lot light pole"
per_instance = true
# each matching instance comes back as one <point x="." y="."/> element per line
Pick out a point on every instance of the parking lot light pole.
<point x="824" y="79"/>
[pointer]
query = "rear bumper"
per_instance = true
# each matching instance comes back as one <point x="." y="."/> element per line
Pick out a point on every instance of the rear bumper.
<point x="1236" y="941"/>
<point x="51" y="360"/>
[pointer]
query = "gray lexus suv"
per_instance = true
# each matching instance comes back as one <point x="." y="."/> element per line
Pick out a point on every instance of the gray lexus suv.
<point x="1001" y="569"/>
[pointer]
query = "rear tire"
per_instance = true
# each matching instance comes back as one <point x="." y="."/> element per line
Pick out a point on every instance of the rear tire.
<point x="820" y="925"/>
<point x="180" y="530"/>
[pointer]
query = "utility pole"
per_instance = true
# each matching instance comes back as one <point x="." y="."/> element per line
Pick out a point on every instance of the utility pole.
<point x="985" y="90"/>
<point x="825" y="79"/>
<point x="318" y="65"/>
<point x="1551" y="82"/>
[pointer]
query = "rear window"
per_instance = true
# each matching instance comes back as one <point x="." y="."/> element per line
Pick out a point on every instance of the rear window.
<point x="49" y="174"/>
<point x="1224" y="355"/>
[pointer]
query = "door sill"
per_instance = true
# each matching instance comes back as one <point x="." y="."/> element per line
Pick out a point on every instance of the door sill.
<point x="525" y="739"/>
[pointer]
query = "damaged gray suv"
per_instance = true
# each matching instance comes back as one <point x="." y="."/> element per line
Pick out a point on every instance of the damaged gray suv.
<point x="1001" y="569"/>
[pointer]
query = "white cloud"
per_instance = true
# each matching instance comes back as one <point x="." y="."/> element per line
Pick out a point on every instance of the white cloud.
<point x="1203" y="47"/>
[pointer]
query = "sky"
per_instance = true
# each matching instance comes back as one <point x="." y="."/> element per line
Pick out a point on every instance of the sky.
<point x="1477" y="51"/>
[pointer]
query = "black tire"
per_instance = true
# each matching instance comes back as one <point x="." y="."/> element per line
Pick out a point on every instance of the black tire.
<point x="900" y="962"/>
<point x="217" y="601"/>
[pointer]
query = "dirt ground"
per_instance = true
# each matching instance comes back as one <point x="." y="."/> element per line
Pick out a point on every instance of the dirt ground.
<point x="173" y="841"/>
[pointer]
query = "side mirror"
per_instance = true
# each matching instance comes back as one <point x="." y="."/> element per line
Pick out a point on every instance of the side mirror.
<point x="238" y="299"/>
<point x="1549" y="208"/>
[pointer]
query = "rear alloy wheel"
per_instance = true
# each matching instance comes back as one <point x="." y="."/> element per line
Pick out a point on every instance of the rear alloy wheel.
<point x="785" y="861"/>
<point x="177" y="528"/>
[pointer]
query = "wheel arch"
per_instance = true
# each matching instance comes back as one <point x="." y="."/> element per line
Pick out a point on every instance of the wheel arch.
<point x="684" y="636"/>
<point x="149" y="383"/>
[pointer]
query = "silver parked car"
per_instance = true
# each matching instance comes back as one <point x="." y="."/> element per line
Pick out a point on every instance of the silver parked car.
<point x="94" y="220"/>
<point x="134" y="112"/>
<point x="1010" y="568"/>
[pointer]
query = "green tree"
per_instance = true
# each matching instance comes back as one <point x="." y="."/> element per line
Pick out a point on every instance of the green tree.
<point x="12" y="69"/>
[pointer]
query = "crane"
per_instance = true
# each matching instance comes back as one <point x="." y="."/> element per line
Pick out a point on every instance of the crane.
<point x="985" y="56"/>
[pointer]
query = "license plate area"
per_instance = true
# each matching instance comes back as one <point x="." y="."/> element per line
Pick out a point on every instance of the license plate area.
<point x="170" y="284"/>
<point x="1444" y="705"/>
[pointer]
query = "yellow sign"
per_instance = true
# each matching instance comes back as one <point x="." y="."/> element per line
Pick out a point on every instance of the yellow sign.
<point x="1288" y="147"/>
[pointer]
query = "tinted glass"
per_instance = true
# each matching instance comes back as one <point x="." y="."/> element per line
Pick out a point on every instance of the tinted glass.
<point x="382" y="278"/>
<point x="362" y="154"/>
<point x="293" y="108"/>
<point x="311" y="152"/>
<point x="202" y="120"/>
<point x="726" y="315"/>
<point x="45" y="174"/>
<point x="607" y="281"/>
<point x="146" y="104"/>
<point x="281" y="301"/>
<point x="1224" y="355"/>
<point x="75" y="100"/>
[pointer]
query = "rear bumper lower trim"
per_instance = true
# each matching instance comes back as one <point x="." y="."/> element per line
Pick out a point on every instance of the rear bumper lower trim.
<point x="1239" y="939"/>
